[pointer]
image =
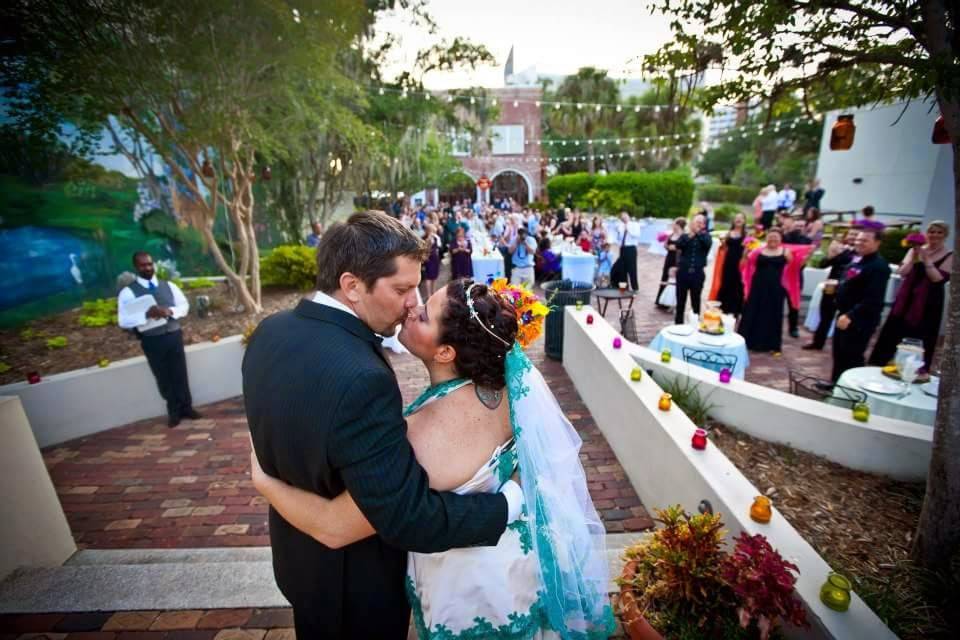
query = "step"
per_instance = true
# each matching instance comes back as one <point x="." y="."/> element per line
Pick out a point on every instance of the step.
<point x="168" y="579"/>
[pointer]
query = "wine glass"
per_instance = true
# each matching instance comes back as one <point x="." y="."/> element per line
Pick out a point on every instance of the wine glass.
<point x="911" y="365"/>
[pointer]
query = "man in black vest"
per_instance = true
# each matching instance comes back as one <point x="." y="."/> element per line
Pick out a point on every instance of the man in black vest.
<point x="693" y="247"/>
<point x="158" y="329"/>
<point x="859" y="303"/>
<point x="325" y="415"/>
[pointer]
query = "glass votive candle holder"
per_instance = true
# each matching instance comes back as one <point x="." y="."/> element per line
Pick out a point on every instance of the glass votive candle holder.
<point x="589" y="318"/>
<point x="617" y="343"/>
<point x="699" y="440"/>
<point x="636" y="373"/>
<point x="33" y="377"/>
<point x="579" y="305"/>
<point x="861" y="412"/>
<point x="665" y="355"/>
<point x="664" y="402"/>
<point x="835" y="592"/>
<point x="725" y="375"/>
<point x="760" y="510"/>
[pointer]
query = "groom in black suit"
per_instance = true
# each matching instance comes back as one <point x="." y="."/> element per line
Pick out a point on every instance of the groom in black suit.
<point x="325" y="414"/>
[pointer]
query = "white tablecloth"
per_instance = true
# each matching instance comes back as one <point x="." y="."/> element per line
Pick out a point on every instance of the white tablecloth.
<point x="490" y="266"/>
<point x="729" y="343"/>
<point x="578" y="267"/>
<point x="812" y="320"/>
<point x="652" y="228"/>
<point x="917" y="406"/>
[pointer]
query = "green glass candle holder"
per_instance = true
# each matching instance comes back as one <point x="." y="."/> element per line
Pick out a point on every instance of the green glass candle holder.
<point x="579" y="305"/>
<point x="636" y="373"/>
<point x="835" y="592"/>
<point x="665" y="355"/>
<point x="861" y="412"/>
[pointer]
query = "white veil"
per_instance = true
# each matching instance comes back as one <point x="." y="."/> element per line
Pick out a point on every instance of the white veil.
<point x="567" y="534"/>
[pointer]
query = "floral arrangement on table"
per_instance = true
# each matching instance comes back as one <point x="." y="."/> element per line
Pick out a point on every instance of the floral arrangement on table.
<point x="682" y="583"/>
<point x="915" y="239"/>
<point x="527" y="306"/>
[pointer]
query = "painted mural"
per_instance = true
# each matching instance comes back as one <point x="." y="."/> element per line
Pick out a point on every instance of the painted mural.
<point x="69" y="226"/>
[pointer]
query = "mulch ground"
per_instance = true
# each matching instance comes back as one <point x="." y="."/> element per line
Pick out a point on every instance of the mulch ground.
<point x="861" y="523"/>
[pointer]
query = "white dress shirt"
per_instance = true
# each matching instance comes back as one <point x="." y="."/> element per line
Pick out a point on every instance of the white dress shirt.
<point x="632" y="229"/>
<point x="128" y="320"/>
<point x="510" y="490"/>
<point x="770" y="201"/>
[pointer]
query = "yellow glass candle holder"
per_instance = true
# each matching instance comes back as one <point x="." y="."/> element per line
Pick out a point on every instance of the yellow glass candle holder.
<point x="760" y="510"/>
<point x="579" y="305"/>
<point x="835" y="592"/>
<point x="636" y="373"/>
<point x="861" y="412"/>
<point x="665" y="355"/>
<point x="665" y="402"/>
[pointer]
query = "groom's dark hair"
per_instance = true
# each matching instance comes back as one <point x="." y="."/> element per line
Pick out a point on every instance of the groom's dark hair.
<point x="366" y="245"/>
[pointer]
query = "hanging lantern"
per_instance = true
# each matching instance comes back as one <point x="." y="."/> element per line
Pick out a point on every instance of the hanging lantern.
<point x="266" y="173"/>
<point x="940" y="133"/>
<point x="207" y="169"/>
<point x="841" y="135"/>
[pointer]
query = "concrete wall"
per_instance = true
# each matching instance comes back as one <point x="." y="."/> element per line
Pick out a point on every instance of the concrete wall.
<point x="883" y="446"/>
<point x="35" y="532"/>
<point x="900" y="171"/>
<point x="69" y="405"/>
<point x="654" y="449"/>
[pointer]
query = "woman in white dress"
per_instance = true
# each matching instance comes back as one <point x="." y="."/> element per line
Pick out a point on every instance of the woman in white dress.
<point x="486" y="416"/>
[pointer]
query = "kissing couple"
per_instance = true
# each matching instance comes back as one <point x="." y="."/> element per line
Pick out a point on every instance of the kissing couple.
<point x="468" y="507"/>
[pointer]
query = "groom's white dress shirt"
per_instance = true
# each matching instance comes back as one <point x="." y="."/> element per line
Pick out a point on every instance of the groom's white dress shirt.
<point x="510" y="490"/>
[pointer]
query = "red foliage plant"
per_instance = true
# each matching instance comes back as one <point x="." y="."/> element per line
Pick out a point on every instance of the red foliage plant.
<point x="763" y="582"/>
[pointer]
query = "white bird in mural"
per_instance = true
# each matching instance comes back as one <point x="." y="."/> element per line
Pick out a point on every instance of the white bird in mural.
<point x="75" y="270"/>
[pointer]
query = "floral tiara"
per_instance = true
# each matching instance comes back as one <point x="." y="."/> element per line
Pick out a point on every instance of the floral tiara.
<point x="528" y="309"/>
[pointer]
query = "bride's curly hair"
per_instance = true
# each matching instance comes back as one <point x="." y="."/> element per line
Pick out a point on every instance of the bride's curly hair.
<point x="480" y="356"/>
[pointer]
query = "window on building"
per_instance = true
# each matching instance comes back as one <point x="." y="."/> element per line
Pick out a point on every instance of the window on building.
<point x="507" y="139"/>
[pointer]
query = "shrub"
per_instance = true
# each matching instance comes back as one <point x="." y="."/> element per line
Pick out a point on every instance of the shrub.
<point x="58" y="342"/>
<point x="726" y="193"/>
<point x="4" y="367"/>
<point x="200" y="283"/>
<point x="98" y="313"/>
<point x="290" y="266"/>
<point x="687" y="396"/>
<point x="891" y="247"/>
<point x="725" y="212"/>
<point x="666" y="194"/>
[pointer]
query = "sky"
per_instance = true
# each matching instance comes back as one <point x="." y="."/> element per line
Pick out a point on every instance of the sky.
<point x="556" y="36"/>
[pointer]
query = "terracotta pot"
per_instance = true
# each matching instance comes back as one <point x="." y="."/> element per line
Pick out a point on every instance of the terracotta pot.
<point x="634" y="623"/>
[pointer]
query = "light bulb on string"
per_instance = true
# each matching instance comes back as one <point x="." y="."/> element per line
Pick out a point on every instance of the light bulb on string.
<point x="493" y="102"/>
<point x="537" y="103"/>
<point x="380" y="91"/>
<point x="515" y="104"/>
<point x="473" y="100"/>
<point x="619" y="108"/>
<point x="579" y="105"/>
<point x="656" y="109"/>
<point x="598" y="107"/>
<point x="636" y="109"/>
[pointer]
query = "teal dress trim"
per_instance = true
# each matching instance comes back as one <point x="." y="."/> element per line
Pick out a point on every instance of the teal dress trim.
<point x="437" y="391"/>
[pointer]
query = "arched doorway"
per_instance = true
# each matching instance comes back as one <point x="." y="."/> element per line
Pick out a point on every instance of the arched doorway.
<point x="457" y="186"/>
<point x="511" y="184"/>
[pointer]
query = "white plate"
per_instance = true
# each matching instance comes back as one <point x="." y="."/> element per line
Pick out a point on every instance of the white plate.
<point x="680" y="330"/>
<point x="882" y="387"/>
<point x="931" y="388"/>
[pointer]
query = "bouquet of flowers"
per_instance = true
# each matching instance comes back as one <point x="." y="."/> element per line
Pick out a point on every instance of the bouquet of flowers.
<point x="662" y="236"/>
<point x="530" y="311"/>
<point x="750" y="243"/>
<point x="914" y="239"/>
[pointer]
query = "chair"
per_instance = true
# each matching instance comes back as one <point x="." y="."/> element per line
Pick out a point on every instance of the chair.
<point x="710" y="359"/>
<point x="814" y="388"/>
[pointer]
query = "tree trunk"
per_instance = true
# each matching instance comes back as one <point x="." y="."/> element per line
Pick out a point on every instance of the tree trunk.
<point x="591" y="164"/>
<point x="239" y="284"/>
<point x="938" y="533"/>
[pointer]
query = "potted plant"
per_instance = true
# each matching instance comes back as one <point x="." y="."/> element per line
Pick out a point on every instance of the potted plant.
<point x="680" y="582"/>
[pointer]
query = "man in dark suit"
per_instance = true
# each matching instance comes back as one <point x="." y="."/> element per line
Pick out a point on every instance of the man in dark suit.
<point x="692" y="250"/>
<point x="859" y="303"/>
<point x="325" y="414"/>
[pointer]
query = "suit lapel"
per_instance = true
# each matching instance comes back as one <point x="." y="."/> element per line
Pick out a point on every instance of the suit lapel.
<point x="349" y="322"/>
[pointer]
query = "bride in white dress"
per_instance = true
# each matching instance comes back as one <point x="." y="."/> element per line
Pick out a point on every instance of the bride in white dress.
<point x="487" y="415"/>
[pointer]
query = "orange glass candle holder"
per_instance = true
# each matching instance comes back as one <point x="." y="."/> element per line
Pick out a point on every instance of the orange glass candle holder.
<point x="760" y="510"/>
<point x="665" y="402"/>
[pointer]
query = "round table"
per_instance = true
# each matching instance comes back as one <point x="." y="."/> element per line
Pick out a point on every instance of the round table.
<point x="653" y="227"/>
<point x="916" y="406"/>
<point x="489" y="266"/>
<point x="604" y="296"/>
<point x="728" y="344"/>
<point x="579" y="267"/>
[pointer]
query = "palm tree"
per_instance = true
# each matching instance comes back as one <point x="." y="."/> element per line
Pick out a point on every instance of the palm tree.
<point x="586" y="90"/>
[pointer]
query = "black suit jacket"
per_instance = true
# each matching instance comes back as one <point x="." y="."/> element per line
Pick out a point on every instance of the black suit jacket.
<point x="325" y="413"/>
<point x="861" y="294"/>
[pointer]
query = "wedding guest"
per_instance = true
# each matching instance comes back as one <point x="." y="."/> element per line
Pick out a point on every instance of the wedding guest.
<point x="758" y="209"/>
<point x="576" y="224"/>
<point x="813" y="195"/>
<point x="794" y="238"/>
<point x="768" y="204"/>
<point x="859" y="303"/>
<point x="918" y="308"/>
<point x="868" y="219"/>
<point x="597" y="234"/>
<point x="813" y="226"/>
<point x="504" y="243"/>
<point x="316" y="233"/>
<point x="707" y="212"/>
<point x="523" y="251"/>
<point x="585" y="243"/>
<point x="839" y="257"/>
<point x="547" y="265"/>
<point x="625" y="268"/>
<point x="158" y="329"/>
<point x="461" y="265"/>
<point x="604" y="266"/>
<point x="670" y="260"/>
<point x="431" y="268"/>
<point x="786" y="198"/>
<point x="762" y="322"/>
<point x="693" y="248"/>
<point x="727" y="286"/>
